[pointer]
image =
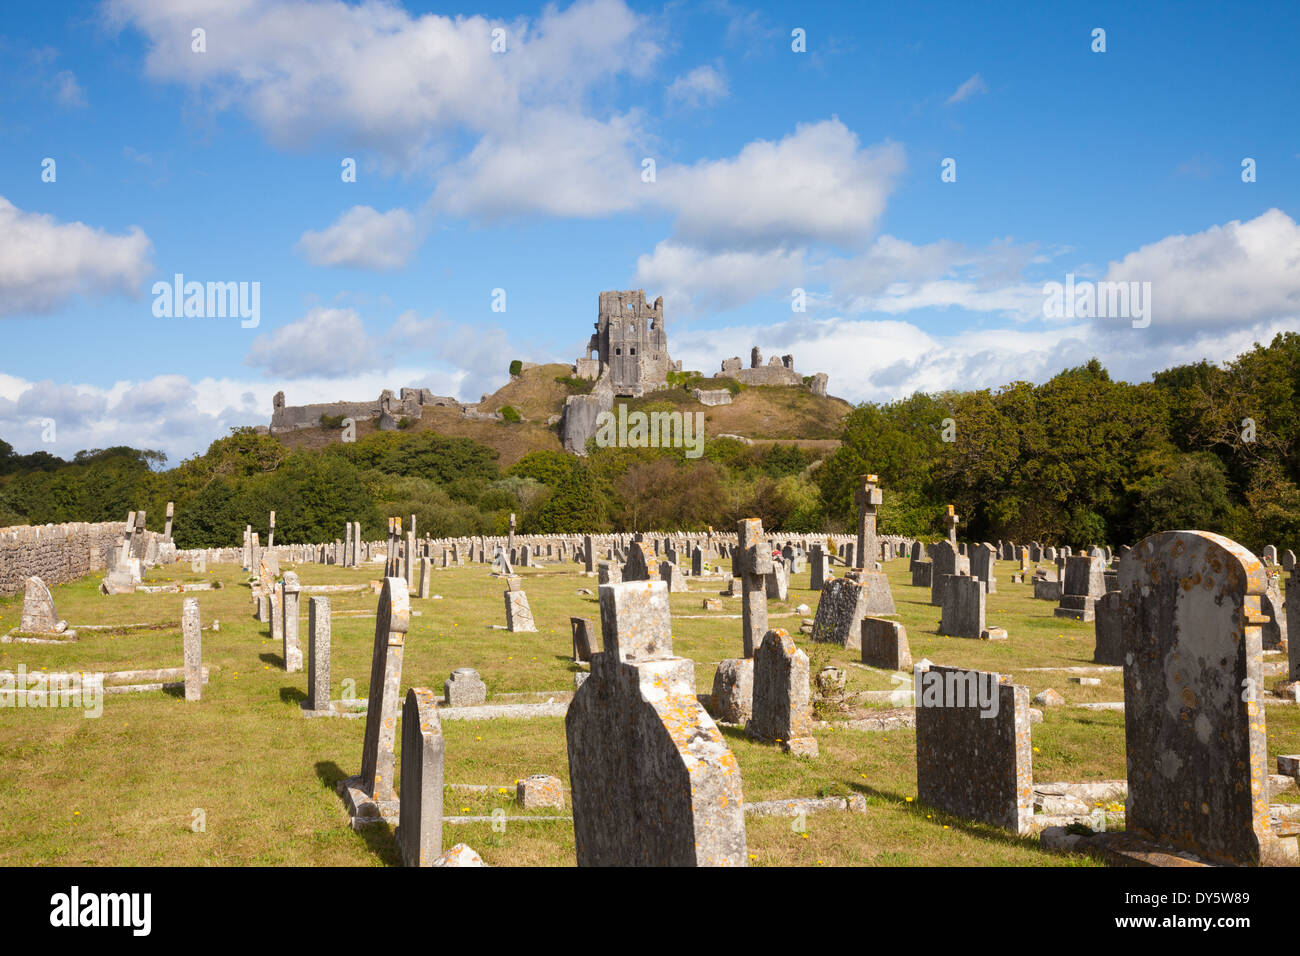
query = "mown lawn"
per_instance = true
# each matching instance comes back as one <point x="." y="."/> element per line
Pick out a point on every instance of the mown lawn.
<point x="129" y="786"/>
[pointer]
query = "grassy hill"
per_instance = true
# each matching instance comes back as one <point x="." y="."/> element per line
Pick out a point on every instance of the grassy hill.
<point x="766" y="414"/>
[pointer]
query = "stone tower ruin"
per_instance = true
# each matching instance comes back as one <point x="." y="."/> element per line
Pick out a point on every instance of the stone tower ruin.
<point x="630" y="347"/>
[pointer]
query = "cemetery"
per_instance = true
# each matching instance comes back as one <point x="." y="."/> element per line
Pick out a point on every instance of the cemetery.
<point x="741" y="697"/>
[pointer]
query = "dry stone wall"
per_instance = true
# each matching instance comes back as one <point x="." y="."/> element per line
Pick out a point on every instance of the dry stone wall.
<point x="57" y="553"/>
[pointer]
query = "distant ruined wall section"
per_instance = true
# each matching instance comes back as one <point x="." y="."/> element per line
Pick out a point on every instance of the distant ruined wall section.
<point x="388" y="408"/>
<point x="777" y="371"/>
<point x="57" y="553"/>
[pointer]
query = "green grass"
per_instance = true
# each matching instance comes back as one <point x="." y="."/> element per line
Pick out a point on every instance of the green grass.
<point x="125" y="788"/>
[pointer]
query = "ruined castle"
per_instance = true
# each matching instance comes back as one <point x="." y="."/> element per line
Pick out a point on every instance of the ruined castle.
<point x="630" y="347"/>
<point x="627" y="357"/>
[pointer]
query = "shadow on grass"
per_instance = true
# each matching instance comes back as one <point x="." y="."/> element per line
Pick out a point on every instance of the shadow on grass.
<point x="379" y="838"/>
<point x="940" y="818"/>
<point x="269" y="658"/>
<point x="292" y="695"/>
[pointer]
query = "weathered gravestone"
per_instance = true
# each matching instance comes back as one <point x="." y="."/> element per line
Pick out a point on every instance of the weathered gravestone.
<point x="654" y="783"/>
<point x="582" y="644"/>
<point x="878" y="597"/>
<point x="371" y="797"/>
<point x="192" y="639"/>
<point x="733" y="690"/>
<point x="884" y="644"/>
<point x="1193" y="715"/>
<point x="946" y="559"/>
<point x="974" y="757"/>
<point x="318" y="654"/>
<point x="1046" y="585"/>
<point x="752" y="562"/>
<point x="464" y="688"/>
<point x="38" y="615"/>
<point x="843" y="605"/>
<point x="1084" y="583"/>
<point x="289" y="595"/>
<point x="963" y="615"/>
<point x="819" y="567"/>
<point x="519" y="616"/>
<point x="641" y="564"/>
<point x="1109" y="625"/>
<point x="1293" y="623"/>
<point x="782" y="708"/>
<point x="419" y="830"/>
<point x="981" y="566"/>
<point x="426" y="578"/>
<point x="1274" y="631"/>
<point x="777" y="582"/>
<point x="671" y="574"/>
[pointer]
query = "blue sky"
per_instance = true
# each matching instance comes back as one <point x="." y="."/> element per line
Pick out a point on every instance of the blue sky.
<point x="523" y="170"/>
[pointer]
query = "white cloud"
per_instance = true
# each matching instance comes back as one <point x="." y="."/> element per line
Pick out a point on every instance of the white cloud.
<point x="1226" y="278"/>
<point x="553" y="162"/>
<point x="971" y="87"/>
<point x="690" y="279"/>
<point x="372" y="75"/>
<point x="44" y="262"/>
<point x="883" y="360"/>
<point x="363" y="238"/>
<point x="817" y="184"/>
<point x="702" y="86"/>
<point x="68" y="91"/>
<point x="324" y="343"/>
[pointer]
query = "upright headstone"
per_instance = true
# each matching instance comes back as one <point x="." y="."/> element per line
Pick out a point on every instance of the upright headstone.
<point x="38" y="615"/>
<point x="654" y="783"/>
<point x="946" y="559"/>
<point x="464" y="688"/>
<point x="419" y="830"/>
<point x="167" y="528"/>
<point x="884" y="644"/>
<point x="782" y="708"/>
<point x="1193" y="683"/>
<point x="1109" y="625"/>
<point x="818" y="567"/>
<point x="973" y="752"/>
<point x="289" y="629"/>
<point x="519" y="616"/>
<point x="1292" y="611"/>
<point x="1084" y="583"/>
<point x="582" y="643"/>
<point x="426" y="578"/>
<point x="371" y="797"/>
<point x="588" y="554"/>
<point x="844" y="603"/>
<point x="318" y="654"/>
<point x="777" y="582"/>
<point x="192" y="637"/>
<point x="752" y="562"/>
<point x="1274" y="631"/>
<point x="964" y="602"/>
<point x="982" y="557"/>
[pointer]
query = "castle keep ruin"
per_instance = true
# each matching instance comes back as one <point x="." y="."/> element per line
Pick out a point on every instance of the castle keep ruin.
<point x="630" y="346"/>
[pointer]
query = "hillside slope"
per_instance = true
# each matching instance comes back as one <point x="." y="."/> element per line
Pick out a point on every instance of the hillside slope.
<point x="763" y="413"/>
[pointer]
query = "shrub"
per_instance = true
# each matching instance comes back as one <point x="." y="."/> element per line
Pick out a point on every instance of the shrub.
<point x="516" y="367"/>
<point x="511" y="414"/>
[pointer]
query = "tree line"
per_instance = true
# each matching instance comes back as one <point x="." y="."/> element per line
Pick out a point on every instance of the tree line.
<point x="1078" y="459"/>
